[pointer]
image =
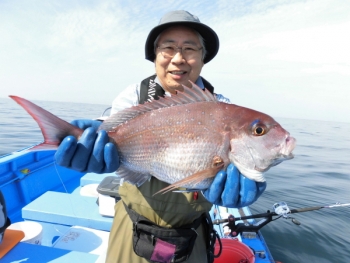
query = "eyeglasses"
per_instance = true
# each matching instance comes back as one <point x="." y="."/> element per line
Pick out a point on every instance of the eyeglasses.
<point x="187" y="51"/>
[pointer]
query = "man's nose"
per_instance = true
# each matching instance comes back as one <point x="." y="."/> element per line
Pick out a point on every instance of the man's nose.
<point x="178" y="57"/>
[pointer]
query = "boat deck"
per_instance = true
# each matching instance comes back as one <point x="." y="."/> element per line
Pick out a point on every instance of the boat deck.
<point x="73" y="229"/>
<point x="36" y="189"/>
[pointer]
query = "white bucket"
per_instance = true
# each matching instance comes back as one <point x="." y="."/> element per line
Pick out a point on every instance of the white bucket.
<point x="32" y="231"/>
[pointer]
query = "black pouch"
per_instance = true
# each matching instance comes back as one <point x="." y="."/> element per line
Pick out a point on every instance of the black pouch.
<point x="160" y="244"/>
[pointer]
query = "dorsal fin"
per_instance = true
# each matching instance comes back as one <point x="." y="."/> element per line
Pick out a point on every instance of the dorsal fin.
<point x="187" y="96"/>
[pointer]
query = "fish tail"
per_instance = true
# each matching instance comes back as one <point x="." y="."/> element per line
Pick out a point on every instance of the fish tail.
<point x="53" y="128"/>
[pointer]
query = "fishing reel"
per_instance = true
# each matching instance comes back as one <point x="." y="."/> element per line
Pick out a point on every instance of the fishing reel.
<point x="282" y="209"/>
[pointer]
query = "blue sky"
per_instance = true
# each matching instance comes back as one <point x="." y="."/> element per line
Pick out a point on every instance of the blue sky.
<point x="285" y="58"/>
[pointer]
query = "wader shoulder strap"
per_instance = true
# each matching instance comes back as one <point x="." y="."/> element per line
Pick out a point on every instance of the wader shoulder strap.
<point x="150" y="90"/>
<point x="207" y="85"/>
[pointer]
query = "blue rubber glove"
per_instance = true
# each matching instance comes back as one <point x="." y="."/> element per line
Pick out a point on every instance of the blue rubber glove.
<point x="92" y="153"/>
<point x="231" y="189"/>
<point x="86" y="123"/>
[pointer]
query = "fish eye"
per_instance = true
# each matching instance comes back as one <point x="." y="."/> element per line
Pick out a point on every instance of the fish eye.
<point x="259" y="130"/>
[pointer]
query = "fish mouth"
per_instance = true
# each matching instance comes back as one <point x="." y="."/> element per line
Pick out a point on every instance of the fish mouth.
<point x="282" y="153"/>
<point x="286" y="151"/>
<point x="280" y="159"/>
<point x="288" y="157"/>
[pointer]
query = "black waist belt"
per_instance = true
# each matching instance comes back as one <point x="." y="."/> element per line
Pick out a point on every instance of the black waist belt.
<point x="161" y="244"/>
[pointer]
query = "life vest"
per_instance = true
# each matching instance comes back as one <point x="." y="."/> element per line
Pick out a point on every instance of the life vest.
<point x="150" y="90"/>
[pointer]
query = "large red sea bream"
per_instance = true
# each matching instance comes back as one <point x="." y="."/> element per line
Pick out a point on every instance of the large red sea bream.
<point x="183" y="140"/>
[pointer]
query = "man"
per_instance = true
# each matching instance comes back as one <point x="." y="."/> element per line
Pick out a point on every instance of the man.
<point x="4" y="220"/>
<point x="179" y="47"/>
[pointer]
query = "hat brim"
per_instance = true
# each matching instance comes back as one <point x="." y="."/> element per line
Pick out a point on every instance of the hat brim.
<point x="211" y="39"/>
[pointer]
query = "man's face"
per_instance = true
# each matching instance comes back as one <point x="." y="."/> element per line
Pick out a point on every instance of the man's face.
<point x="173" y="72"/>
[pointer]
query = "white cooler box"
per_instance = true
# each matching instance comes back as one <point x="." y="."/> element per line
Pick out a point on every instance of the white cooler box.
<point x="108" y="195"/>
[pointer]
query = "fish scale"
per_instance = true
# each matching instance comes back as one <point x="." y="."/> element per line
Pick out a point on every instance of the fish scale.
<point x="171" y="148"/>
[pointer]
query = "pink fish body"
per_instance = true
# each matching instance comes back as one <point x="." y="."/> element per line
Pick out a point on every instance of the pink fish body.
<point x="184" y="139"/>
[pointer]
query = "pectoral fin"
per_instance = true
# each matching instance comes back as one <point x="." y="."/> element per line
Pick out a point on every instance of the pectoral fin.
<point x="218" y="164"/>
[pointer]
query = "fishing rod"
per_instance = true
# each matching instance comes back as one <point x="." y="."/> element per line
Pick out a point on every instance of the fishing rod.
<point x="281" y="209"/>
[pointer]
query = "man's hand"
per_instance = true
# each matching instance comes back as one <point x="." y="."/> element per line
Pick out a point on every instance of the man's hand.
<point x="231" y="189"/>
<point x="91" y="153"/>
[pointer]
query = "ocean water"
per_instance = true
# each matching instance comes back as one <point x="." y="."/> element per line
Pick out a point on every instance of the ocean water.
<point x="319" y="175"/>
<point x="19" y="130"/>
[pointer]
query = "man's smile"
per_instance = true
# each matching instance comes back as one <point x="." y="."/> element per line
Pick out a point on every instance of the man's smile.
<point x="178" y="72"/>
